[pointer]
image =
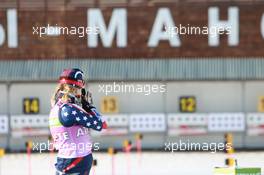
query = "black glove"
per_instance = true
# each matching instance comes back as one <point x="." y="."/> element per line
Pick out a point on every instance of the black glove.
<point x="84" y="100"/>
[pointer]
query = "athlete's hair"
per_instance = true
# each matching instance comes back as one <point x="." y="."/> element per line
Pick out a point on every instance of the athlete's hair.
<point x="66" y="89"/>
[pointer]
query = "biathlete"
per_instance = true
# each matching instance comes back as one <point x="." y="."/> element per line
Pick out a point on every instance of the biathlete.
<point x="70" y="120"/>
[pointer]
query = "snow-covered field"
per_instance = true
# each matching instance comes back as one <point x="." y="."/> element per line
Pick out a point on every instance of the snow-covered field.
<point x="149" y="163"/>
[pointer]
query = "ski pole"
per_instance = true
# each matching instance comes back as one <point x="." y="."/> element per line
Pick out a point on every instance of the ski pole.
<point x="2" y="153"/>
<point x="29" y="147"/>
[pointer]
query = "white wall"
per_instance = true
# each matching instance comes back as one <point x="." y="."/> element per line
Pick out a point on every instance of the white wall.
<point x="3" y="99"/>
<point x="132" y="102"/>
<point x="212" y="96"/>
<point x="41" y="90"/>
<point x="252" y="92"/>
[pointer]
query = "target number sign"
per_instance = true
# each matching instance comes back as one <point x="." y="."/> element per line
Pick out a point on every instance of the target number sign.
<point x="187" y="104"/>
<point x="109" y="104"/>
<point x="31" y="105"/>
<point x="261" y="104"/>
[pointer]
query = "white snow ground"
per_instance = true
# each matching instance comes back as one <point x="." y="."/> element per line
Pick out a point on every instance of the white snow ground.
<point x="149" y="163"/>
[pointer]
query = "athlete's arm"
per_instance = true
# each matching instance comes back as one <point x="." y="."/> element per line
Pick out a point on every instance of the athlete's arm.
<point x="70" y="115"/>
<point x="93" y="111"/>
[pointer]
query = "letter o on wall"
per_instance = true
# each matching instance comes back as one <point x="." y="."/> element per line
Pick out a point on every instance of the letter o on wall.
<point x="262" y="26"/>
<point x="2" y="35"/>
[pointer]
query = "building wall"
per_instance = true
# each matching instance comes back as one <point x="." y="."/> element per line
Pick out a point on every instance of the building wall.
<point x="211" y="96"/>
<point x="138" y="24"/>
<point x="3" y="99"/>
<point x="252" y="92"/>
<point x="132" y="101"/>
<point x="18" y="91"/>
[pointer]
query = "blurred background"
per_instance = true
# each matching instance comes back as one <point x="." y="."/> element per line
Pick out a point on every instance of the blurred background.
<point x="157" y="71"/>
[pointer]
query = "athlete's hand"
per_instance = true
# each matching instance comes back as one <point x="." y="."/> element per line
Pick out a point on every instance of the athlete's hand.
<point x="87" y="105"/>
